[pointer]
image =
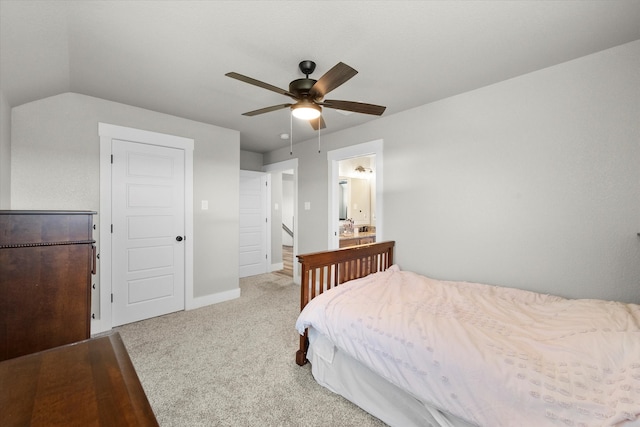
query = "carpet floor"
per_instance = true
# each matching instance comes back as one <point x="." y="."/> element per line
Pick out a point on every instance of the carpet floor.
<point x="233" y="364"/>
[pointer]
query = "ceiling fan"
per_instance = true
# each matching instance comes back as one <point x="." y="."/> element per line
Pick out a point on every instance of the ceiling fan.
<point x="309" y="94"/>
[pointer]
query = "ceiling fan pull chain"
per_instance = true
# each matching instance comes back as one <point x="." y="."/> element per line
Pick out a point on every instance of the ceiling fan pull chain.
<point x="291" y="134"/>
<point x="319" y="118"/>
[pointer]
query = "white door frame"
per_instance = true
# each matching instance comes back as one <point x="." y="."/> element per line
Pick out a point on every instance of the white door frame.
<point x="107" y="132"/>
<point x="334" y="157"/>
<point x="284" y="166"/>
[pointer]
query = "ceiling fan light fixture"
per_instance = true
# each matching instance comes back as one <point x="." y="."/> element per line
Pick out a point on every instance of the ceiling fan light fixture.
<point x="305" y="110"/>
<point x="309" y="95"/>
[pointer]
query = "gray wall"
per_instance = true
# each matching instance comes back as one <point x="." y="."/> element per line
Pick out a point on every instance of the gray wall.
<point x="250" y="161"/>
<point x="533" y="182"/>
<point x="5" y="152"/>
<point x="55" y="165"/>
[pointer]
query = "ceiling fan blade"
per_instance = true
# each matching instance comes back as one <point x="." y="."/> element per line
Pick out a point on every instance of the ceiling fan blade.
<point x="356" y="107"/>
<point x="258" y="83"/>
<point x="266" y="110"/>
<point x="314" y="123"/>
<point x="333" y="78"/>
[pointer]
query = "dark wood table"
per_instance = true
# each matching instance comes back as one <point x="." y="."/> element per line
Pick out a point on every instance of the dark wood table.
<point x="88" y="383"/>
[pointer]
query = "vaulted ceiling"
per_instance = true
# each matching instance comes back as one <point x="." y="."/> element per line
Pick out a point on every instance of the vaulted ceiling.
<point x="172" y="56"/>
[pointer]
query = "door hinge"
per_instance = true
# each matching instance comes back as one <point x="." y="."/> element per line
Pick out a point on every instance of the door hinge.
<point x="112" y="159"/>
<point x="111" y="298"/>
<point x="112" y="228"/>
<point x="266" y="256"/>
<point x="266" y="220"/>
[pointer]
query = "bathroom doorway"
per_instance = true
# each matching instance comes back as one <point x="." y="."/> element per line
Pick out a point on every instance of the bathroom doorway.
<point x="355" y="195"/>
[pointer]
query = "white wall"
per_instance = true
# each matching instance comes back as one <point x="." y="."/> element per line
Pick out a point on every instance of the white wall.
<point x="533" y="182"/>
<point x="55" y="165"/>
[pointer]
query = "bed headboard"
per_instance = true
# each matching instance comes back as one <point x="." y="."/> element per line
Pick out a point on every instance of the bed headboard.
<point x="324" y="270"/>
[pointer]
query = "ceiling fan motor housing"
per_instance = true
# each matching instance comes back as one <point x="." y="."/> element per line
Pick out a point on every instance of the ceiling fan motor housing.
<point x="301" y="87"/>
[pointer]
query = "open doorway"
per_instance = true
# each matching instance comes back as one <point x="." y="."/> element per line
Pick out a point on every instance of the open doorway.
<point x="286" y="221"/>
<point x="357" y="201"/>
<point x="355" y="195"/>
<point x="284" y="236"/>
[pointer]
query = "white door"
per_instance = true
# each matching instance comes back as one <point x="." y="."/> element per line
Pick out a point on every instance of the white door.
<point x="253" y="223"/>
<point x="148" y="216"/>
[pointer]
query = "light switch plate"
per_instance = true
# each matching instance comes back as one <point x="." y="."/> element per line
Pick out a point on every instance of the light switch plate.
<point x="205" y="205"/>
<point x="307" y="206"/>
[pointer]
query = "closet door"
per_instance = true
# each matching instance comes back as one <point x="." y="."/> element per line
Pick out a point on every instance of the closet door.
<point x="148" y="215"/>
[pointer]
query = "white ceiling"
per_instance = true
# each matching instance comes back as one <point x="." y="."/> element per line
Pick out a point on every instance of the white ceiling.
<point x="171" y="56"/>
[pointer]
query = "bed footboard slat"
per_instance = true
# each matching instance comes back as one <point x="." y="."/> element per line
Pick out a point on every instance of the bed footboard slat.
<point x="323" y="270"/>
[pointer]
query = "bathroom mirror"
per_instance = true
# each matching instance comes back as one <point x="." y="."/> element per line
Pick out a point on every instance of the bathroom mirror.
<point x="357" y="190"/>
<point x="343" y="202"/>
<point x="354" y="200"/>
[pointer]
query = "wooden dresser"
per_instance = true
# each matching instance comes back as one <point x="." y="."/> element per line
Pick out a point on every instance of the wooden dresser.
<point x="89" y="383"/>
<point x="46" y="262"/>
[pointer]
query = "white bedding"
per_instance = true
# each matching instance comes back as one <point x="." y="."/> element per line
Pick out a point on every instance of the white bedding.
<point x="492" y="356"/>
<point x="342" y="374"/>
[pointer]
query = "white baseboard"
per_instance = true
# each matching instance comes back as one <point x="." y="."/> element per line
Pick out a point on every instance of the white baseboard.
<point x="100" y="326"/>
<point x="199" y="302"/>
<point x="277" y="267"/>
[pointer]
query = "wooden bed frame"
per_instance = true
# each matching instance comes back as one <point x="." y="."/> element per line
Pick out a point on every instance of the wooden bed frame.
<point x="322" y="271"/>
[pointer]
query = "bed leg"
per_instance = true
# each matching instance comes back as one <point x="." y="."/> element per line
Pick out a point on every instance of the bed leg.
<point x="301" y="358"/>
<point x="301" y="354"/>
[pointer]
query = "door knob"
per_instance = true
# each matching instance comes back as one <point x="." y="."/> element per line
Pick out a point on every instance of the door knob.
<point x="179" y="238"/>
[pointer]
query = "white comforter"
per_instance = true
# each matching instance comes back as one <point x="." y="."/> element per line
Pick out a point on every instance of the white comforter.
<point x="490" y="355"/>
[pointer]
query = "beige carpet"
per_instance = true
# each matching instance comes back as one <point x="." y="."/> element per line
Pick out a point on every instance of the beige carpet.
<point x="233" y="364"/>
